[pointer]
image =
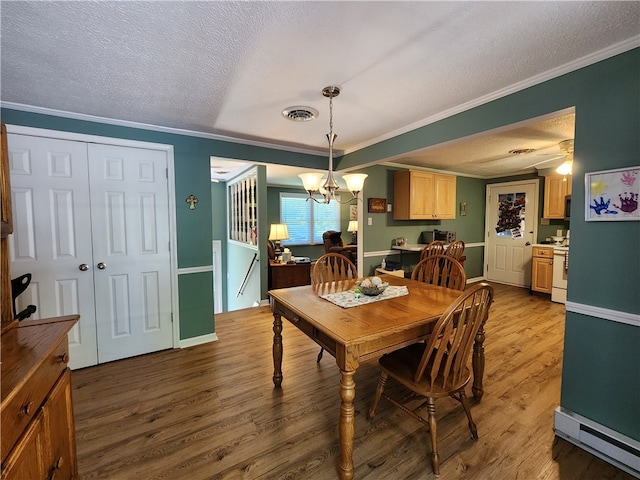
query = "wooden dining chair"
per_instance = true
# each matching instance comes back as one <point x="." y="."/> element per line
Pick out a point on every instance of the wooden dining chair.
<point x="332" y="267"/>
<point x="455" y="249"/>
<point x="432" y="248"/>
<point x="441" y="270"/>
<point x="439" y="368"/>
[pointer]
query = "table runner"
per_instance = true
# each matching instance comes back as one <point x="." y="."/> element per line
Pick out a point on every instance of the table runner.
<point x="348" y="299"/>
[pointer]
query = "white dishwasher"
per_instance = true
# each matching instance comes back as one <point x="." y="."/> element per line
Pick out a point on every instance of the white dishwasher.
<point x="560" y="268"/>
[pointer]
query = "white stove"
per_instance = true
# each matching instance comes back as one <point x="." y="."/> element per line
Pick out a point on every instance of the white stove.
<point x="560" y="269"/>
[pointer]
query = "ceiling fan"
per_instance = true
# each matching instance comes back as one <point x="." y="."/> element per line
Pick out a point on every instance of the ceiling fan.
<point x="566" y="152"/>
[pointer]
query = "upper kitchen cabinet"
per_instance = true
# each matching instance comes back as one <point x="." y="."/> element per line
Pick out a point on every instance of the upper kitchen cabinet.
<point x="556" y="187"/>
<point x="423" y="196"/>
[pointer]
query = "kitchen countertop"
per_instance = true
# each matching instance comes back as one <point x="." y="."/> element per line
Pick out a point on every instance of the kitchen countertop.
<point x="564" y="248"/>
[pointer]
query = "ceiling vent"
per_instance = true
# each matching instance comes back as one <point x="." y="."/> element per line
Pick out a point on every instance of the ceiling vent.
<point x="522" y="151"/>
<point x="300" y="114"/>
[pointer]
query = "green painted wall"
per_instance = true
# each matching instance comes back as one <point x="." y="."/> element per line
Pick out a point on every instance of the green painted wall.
<point x="604" y="259"/>
<point x="379" y="236"/>
<point x="196" y="296"/>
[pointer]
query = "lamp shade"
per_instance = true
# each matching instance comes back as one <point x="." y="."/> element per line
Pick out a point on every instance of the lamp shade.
<point x="566" y="167"/>
<point x="311" y="181"/>
<point x="355" y="181"/>
<point x="353" y="226"/>
<point x="278" y="232"/>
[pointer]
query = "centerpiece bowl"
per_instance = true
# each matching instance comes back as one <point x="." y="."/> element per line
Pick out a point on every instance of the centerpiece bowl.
<point x="372" y="286"/>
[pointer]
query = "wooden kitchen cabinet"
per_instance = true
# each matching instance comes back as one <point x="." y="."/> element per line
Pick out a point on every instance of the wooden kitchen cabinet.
<point x="423" y="196"/>
<point x="556" y="187"/>
<point x="27" y="459"/>
<point x="36" y="413"/>
<point x="542" y="269"/>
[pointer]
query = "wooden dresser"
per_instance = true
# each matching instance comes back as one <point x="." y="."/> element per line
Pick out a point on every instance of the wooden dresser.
<point x="36" y="416"/>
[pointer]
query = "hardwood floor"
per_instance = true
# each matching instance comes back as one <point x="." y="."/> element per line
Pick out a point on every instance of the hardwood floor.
<point x="211" y="411"/>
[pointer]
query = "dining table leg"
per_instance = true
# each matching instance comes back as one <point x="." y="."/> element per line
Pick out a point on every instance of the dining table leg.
<point x="277" y="350"/>
<point x="478" y="363"/>
<point x="347" y="426"/>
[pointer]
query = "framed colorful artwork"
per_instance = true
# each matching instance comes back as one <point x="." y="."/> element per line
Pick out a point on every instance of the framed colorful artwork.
<point x="612" y="195"/>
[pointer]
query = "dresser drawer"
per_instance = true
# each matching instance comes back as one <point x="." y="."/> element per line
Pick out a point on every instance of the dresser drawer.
<point x="19" y="410"/>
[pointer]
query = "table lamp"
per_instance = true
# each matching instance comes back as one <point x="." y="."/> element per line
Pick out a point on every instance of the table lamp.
<point x="278" y="232"/>
<point x="353" y="228"/>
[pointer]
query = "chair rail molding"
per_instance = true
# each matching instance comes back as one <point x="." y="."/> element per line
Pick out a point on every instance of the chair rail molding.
<point x="604" y="313"/>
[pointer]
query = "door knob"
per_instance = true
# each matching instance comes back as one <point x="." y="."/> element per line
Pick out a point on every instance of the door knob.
<point x="102" y="265"/>
<point x="83" y="267"/>
<point x="527" y="244"/>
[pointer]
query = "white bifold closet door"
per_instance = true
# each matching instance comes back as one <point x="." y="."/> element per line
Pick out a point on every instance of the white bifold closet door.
<point x="91" y="224"/>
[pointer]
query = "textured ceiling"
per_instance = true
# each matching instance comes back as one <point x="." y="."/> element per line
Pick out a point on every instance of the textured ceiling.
<point x="230" y="67"/>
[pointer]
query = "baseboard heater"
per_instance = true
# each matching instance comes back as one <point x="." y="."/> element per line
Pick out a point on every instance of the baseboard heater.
<point x="607" y="444"/>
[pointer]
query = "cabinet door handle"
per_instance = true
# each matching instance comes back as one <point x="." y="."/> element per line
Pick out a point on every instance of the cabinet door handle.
<point x="64" y="358"/>
<point x="54" y="468"/>
<point x="26" y="408"/>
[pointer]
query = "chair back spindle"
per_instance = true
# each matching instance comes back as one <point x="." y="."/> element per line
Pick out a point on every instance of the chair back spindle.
<point x="441" y="270"/>
<point x="455" y="249"/>
<point x="449" y="347"/>
<point x="333" y="267"/>
<point x="433" y="248"/>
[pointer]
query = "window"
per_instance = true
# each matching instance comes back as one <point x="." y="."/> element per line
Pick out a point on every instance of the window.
<point x="307" y="220"/>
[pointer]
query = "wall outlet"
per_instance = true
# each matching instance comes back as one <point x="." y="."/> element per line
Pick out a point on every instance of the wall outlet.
<point x="559" y="233"/>
<point x="369" y="221"/>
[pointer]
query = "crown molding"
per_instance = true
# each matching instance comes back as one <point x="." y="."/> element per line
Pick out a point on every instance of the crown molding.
<point x="585" y="61"/>
<point x="155" y="128"/>
<point x="582" y="62"/>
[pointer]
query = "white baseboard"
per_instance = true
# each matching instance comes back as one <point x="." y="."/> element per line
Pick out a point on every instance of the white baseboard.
<point x="603" y="442"/>
<point x="192" y="342"/>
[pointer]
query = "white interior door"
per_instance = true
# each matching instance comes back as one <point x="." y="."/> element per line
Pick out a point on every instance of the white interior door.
<point x="79" y="207"/>
<point x="511" y="216"/>
<point x="130" y="224"/>
<point x="52" y="235"/>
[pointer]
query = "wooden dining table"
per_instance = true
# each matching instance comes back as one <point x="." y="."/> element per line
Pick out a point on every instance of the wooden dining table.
<point x="366" y="331"/>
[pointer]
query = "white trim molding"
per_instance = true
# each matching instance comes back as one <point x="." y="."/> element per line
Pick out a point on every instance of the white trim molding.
<point x="383" y="253"/>
<point x="155" y="128"/>
<point x="194" y="341"/>
<point x="604" y="313"/>
<point x="202" y="269"/>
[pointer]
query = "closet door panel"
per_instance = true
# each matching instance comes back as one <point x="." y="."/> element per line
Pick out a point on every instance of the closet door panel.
<point x="52" y="234"/>
<point x="131" y="240"/>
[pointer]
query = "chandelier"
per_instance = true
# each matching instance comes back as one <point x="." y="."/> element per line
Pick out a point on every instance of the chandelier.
<point x="313" y="182"/>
